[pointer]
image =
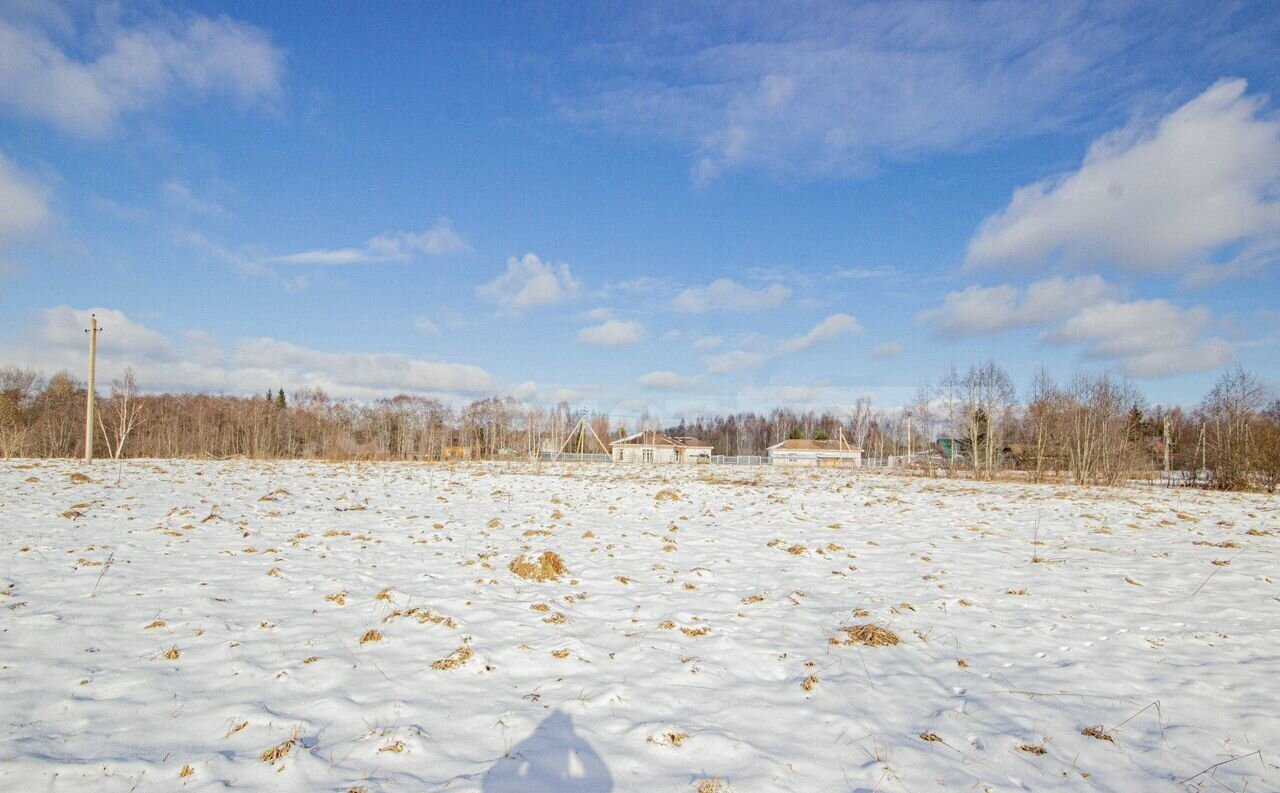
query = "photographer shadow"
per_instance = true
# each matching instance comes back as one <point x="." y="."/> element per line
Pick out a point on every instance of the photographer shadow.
<point x="553" y="759"/>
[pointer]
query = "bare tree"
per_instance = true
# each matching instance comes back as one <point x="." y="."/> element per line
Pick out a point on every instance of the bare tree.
<point x="1231" y="414"/>
<point x="120" y="414"/>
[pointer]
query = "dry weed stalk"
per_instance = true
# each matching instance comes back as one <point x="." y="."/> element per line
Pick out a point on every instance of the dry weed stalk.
<point x="1097" y="731"/>
<point x="280" y="752"/>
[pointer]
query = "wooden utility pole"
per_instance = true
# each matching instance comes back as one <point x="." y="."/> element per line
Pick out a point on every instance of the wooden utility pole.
<point x="1168" y="480"/>
<point x="93" y="331"/>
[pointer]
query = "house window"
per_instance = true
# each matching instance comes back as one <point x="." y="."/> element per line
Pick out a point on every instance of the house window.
<point x="647" y="455"/>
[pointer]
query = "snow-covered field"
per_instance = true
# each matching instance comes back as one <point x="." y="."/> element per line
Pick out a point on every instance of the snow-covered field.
<point x="166" y="625"/>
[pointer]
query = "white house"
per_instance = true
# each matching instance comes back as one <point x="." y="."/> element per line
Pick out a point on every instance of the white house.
<point x="800" y="452"/>
<point x="654" y="447"/>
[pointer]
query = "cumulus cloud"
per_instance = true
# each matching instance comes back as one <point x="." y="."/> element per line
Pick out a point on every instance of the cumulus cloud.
<point x="1166" y="199"/>
<point x="195" y="362"/>
<point x="440" y="240"/>
<point x="829" y="329"/>
<point x="1149" y="338"/>
<point x="529" y="282"/>
<point x="668" y="381"/>
<point x="132" y="69"/>
<point x="612" y="333"/>
<point x="726" y="295"/>
<point x="982" y="310"/>
<point x="24" y="207"/>
<point x="736" y="361"/>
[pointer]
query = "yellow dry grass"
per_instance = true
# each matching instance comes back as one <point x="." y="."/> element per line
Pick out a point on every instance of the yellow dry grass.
<point x="548" y="567"/>
<point x="810" y="683"/>
<point x="666" y="495"/>
<point x="453" y="660"/>
<point x="186" y="771"/>
<point x="173" y="654"/>
<point x="371" y="635"/>
<point x="710" y="786"/>
<point x="279" y="752"/>
<point x="156" y="624"/>
<point x="1097" y="731"/>
<point x="870" y="634"/>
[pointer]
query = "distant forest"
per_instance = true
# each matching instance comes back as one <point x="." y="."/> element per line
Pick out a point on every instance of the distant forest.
<point x="1090" y="429"/>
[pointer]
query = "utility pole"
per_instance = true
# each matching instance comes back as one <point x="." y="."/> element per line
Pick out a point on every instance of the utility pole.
<point x="93" y="331"/>
<point x="1168" y="480"/>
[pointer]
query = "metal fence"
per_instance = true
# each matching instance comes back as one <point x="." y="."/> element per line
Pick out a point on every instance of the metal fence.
<point x="738" y="459"/>
<point x="573" y="457"/>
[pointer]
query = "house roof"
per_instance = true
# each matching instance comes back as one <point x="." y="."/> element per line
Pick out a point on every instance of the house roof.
<point x="804" y="445"/>
<point x="658" y="439"/>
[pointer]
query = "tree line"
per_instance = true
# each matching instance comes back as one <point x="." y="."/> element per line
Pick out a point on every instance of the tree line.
<point x="1088" y="429"/>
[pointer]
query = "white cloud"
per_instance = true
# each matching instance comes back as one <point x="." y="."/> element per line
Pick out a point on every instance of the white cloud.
<point x="425" y="325"/>
<point x="726" y="295"/>
<point x="179" y="194"/>
<point x="708" y="342"/>
<point x="1162" y="199"/>
<point x="530" y="282"/>
<point x="981" y="310"/>
<point x="736" y="361"/>
<point x="668" y="381"/>
<point x="829" y="329"/>
<point x="24" y="205"/>
<point x="598" y="315"/>
<point x="1150" y="338"/>
<point x="835" y="88"/>
<point x="134" y="69"/>
<point x="612" y="333"/>
<point x="195" y="362"/>
<point x="440" y="240"/>
<point x="887" y="351"/>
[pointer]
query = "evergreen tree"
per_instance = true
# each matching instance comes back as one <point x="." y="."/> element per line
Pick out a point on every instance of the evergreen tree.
<point x="280" y="399"/>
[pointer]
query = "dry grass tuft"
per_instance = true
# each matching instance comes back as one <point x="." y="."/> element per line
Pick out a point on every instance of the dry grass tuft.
<point x="1016" y="592"/>
<point x="338" y="597"/>
<point x="963" y="664"/>
<point x="870" y="634"/>
<point x="371" y="635"/>
<point x="494" y="524"/>
<point x="548" y="567"/>
<point x="396" y="747"/>
<point x="931" y="737"/>
<point x="157" y="624"/>
<point x="710" y="786"/>
<point x="669" y="739"/>
<point x="666" y="495"/>
<point x="1032" y="748"/>
<point x="810" y="683"/>
<point x="277" y="753"/>
<point x="541" y="607"/>
<point x="1096" y="731"/>
<point x="747" y="601"/>
<point x="453" y="660"/>
<point x="696" y="632"/>
<point x="385" y="596"/>
<point x="797" y="550"/>
<point x="561" y="654"/>
<point x="78" y="478"/>
<point x="555" y="619"/>
<point x="186" y="771"/>
<point x="173" y="654"/>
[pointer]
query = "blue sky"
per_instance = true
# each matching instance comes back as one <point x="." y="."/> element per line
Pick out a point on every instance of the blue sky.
<point x="663" y="207"/>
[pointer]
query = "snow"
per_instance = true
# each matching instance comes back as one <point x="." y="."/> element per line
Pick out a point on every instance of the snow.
<point x="675" y="650"/>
